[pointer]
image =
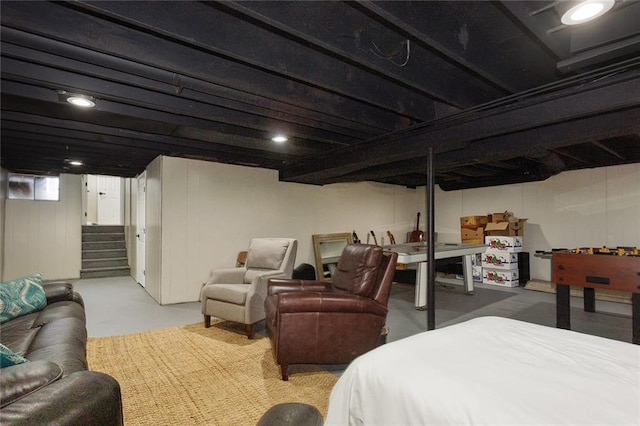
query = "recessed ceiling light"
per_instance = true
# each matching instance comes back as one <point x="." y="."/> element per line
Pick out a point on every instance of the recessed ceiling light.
<point x="586" y="11"/>
<point x="77" y="99"/>
<point x="279" y="138"/>
<point x="74" y="162"/>
<point x="81" y="101"/>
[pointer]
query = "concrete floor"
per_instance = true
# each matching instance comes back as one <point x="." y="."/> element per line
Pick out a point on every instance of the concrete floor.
<point x="119" y="305"/>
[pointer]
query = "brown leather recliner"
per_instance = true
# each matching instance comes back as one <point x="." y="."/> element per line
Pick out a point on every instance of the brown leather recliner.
<point x="314" y="322"/>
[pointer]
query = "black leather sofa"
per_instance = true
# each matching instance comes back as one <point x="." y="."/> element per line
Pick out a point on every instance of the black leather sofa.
<point x="55" y="386"/>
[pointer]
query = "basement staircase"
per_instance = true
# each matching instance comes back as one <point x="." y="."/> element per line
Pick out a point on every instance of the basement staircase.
<point x="104" y="253"/>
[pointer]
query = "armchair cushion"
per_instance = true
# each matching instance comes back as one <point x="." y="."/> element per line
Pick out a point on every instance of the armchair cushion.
<point x="231" y="293"/>
<point x="266" y="253"/>
<point x="357" y="269"/>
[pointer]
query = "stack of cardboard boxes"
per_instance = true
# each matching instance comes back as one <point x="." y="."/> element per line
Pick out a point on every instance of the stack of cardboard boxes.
<point x="504" y="236"/>
<point x="472" y="229"/>
<point x="472" y="232"/>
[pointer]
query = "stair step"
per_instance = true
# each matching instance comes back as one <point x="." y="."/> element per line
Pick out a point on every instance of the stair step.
<point x="102" y="236"/>
<point x="104" y="253"/>
<point x="97" y="229"/>
<point x="103" y="245"/>
<point x="105" y="263"/>
<point x="105" y="272"/>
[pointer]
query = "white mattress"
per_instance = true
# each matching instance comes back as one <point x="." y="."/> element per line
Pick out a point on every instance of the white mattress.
<point x="492" y="371"/>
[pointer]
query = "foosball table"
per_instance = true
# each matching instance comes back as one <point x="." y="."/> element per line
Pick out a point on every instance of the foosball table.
<point x="596" y="268"/>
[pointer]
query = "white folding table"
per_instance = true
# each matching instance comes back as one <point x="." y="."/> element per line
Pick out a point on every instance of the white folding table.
<point x="409" y="253"/>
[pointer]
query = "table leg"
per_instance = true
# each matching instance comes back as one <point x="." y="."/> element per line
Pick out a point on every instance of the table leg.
<point x="563" y="313"/>
<point x="467" y="273"/>
<point x="421" y="287"/>
<point x="635" y="317"/>
<point x="589" y="295"/>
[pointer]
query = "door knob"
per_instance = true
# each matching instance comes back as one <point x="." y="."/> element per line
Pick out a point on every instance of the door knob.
<point x="102" y="193"/>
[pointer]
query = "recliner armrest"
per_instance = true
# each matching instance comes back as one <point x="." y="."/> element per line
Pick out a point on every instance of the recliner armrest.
<point x="57" y="291"/>
<point x="297" y="302"/>
<point x="18" y="381"/>
<point x="276" y="286"/>
<point x="85" y="398"/>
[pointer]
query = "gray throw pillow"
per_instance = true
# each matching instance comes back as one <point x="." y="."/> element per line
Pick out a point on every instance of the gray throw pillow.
<point x="266" y="253"/>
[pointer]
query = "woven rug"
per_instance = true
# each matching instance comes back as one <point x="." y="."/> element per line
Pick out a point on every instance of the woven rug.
<point x="608" y="295"/>
<point x="197" y="376"/>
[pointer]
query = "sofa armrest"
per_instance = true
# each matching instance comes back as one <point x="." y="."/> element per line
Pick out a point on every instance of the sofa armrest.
<point x="18" y="381"/>
<point x="276" y="286"/>
<point x="327" y="302"/>
<point x="57" y="291"/>
<point x="83" y="398"/>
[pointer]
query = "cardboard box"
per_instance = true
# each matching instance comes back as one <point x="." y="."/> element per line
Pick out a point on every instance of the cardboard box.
<point x="472" y="234"/>
<point x="496" y="217"/>
<point x="477" y="273"/>
<point x="498" y="259"/>
<point x="504" y="278"/>
<point x="473" y="241"/>
<point x="473" y="221"/>
<point x="513" y="228"/>
<point x="508" y="244"/>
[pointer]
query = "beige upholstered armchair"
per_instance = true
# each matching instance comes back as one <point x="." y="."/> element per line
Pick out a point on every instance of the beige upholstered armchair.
<point x="237" y="294"/>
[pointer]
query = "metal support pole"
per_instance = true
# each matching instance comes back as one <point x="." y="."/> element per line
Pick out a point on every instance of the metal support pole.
<point x="431" y="243"/>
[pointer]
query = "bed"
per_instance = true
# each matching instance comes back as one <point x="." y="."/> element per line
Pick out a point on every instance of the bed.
<point x="491" y="371"/>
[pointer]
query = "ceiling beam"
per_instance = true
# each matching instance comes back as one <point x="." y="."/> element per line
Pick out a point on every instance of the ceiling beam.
<point x="354" y="39"/>
<point x="509" y="146"/>
<point x="142" y="46"/>
<point x="211" y="29"/>
<point x="121" y="98"/>
<point x="614" y="92"/>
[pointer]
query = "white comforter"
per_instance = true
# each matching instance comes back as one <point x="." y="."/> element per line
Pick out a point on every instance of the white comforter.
<point x="492" y="371"/>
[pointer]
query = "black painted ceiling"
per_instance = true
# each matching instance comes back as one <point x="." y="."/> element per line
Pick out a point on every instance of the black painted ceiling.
<point x="501" y="90"/>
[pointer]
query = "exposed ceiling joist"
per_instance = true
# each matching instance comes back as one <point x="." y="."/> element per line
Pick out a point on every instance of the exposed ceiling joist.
<point x="501" y="90"/>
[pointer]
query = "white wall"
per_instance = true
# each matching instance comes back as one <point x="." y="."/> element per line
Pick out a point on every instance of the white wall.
<point x="214" y="209"/>
<point x="210" y="211"/>
<point x="131" y="221"/>
<point x="45" y="236"/>
<point x="90" y="199"/>
<point x="591" y="207"/>
<point x="153" y="219"/>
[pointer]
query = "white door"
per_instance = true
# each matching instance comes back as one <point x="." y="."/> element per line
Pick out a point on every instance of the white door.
<point x="109" y="200"/>
<point x="140" y="228"/>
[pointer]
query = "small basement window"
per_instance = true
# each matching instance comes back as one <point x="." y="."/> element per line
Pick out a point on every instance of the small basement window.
<point x="30" y="187"/>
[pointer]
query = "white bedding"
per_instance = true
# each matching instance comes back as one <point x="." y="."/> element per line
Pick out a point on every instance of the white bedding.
<point x="492" y="371"/>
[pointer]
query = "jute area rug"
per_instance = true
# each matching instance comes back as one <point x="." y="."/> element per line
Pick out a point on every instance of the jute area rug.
<point x="608" y="295"/>
<point x="195" y="376"/>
